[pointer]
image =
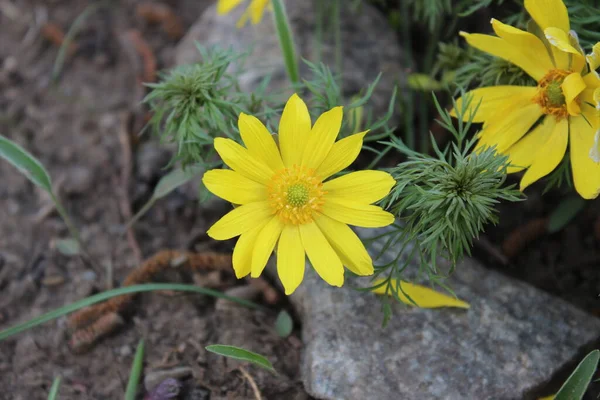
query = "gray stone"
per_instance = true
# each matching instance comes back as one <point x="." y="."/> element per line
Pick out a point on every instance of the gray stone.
<point x="369" y="47"/>
<point x="507" y="345"/>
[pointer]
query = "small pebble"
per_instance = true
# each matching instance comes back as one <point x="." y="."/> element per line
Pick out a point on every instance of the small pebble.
<point x="125" y="351"/>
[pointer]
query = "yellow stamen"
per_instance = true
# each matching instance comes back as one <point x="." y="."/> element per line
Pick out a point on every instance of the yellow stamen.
<point x="295" y="194"/>
<point x="550" y="95"/>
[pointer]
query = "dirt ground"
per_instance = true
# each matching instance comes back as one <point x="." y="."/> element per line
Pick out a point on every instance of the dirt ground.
<point x="84" y="128"/>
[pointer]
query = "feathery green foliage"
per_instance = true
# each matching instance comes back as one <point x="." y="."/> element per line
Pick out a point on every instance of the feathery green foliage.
<point x="195" y="103"/>
<point x="444" y="201"/>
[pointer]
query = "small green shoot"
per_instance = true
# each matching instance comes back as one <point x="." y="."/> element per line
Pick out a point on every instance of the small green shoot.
<point x="53" y="395"/>
<point x="238" y="353"/>
<point x="136" y="372"/>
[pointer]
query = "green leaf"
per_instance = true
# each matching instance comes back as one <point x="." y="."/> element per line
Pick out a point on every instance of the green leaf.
<point x="68" y="247"/>
<point x="136" y="372"/>
<point x="238" y="353"/>
<point x="284" y="324"/>
<point x="166" y="185"/>
<point x="564" y="213"/>
<point x="53" y="395"/>
<point x="174" y="179"/>
<point x="574" y="388"/>
<point x="423" y="82"/>
<point x="26" y="163"/>
<point x="88" y="301"/>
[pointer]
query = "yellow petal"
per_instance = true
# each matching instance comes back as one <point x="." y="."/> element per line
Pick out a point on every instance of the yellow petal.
<point x="294" y="129"/>
<point x="346" y="244"/>
<point x="423" y="296"/>
<point x="549" y="13"/>
<point x="501" y="48"/>
<point x="242" y="253"/>
<point x="357" y="214"/>
<point x="562" y="41"/>
<point x="595" y="150"/>
<point x="265" y="243"/>
<point x="505" y="132"/>
<point x="259" y="141"/>
<point x="586" y="172"/>
<point x="522" y="153"/>
<point x="526" y="42"/>
<point x="322" y="136"/>
<point x="321" y="255"/>
<point x="290" y="258"/>
<point x="593" y="58"/>
<point x="240" y="160"/>
<point x="572" y="87"/>
<point x="551" y="397"/>
<point x="342" y="154"/>
<point x="257" y="8"/>
<point x="592" y="80"/>
<point x="491" y="99"/>
<point x="224" y="6"/>
<point x="243" y="19"/>
<point x="548" y="155"/>
<point x="362" y="186"/>
<point x="240" y="220"/>
<point x="233" y="187"/>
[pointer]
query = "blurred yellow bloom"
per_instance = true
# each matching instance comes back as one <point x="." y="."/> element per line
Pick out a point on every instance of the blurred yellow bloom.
<point x="286" y="200"/>
<point x="534" y="125"/>
<point x="254" y="12"/>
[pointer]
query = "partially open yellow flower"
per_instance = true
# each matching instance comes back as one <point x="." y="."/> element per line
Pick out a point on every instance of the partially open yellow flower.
<point x="254" y="12"/>
<point x="534" y="125"/>
<point x="286" y="200"/>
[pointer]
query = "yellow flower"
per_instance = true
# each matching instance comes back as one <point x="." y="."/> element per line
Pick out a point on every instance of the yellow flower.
<point x="534" y="125"/>
<point x="254" y="12"/>
<point x="286" y="200"/>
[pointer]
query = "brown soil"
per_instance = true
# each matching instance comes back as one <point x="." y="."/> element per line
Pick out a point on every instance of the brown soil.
<point x="77" y="127"/>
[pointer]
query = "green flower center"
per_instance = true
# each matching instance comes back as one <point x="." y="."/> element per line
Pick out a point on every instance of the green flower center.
<point x="297" y="195"/>
<point x="556" y="98"/>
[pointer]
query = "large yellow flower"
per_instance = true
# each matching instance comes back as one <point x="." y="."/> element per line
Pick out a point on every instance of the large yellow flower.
<point x="254" y="12"/>
<point x="534" y="125"/>
<point x="286" y="200"/>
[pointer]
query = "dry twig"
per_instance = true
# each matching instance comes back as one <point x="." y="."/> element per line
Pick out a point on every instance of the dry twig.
<point x="162" y="14"/>
<point x="251" y="381"/>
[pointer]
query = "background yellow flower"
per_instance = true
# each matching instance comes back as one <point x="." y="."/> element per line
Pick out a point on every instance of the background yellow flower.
<point x="534" y="125"/>
<point x="286" y="199"/>
<point x="254" y="12"/>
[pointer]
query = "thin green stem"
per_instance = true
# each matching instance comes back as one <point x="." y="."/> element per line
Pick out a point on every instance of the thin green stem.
<point x="337" y="26"/>
<point x="286" y="41"/>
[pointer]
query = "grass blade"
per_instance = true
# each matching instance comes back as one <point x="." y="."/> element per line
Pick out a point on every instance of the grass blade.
<point x="238" y="353"/>
<point x="136" y="372"/>
<point x="574" y="388"/>
<point x="53" y="395"/>
<point x="26" y="163"/>
<point x="88" y="301"/>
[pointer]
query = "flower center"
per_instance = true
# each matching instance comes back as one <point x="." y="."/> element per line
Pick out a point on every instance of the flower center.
<point x="550" y="95"/>
<point x="295" y="194"/>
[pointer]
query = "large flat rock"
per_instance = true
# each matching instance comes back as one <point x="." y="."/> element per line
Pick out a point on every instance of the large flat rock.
<point x="512" y="340"/>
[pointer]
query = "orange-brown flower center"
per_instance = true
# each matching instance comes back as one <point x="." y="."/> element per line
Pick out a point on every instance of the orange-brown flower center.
<point x="295" y="194"/>
<point x="550" y="95"/>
